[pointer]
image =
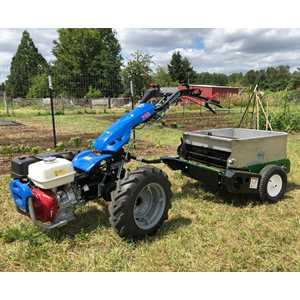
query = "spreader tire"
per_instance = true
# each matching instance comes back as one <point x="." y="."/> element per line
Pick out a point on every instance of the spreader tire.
<point x="141" y="203"/>
<point x="272" y="184"/>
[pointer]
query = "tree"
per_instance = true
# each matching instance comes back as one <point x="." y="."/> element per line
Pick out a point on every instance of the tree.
<point x="220" y="79"/>
<point x="88" y="57"/>
<point x="112" y="62"/>
<point x="188" y="70"/>
<point x="39" y="87"/>
<point x="204" y="78"/>
<point x="277" y="78"/>
<point x="138" y="70"/>
<point x="180" y="69"/>
<point x="273" y="78"/>
<point x="26" y="63"/>
<point x="236" y="79"/>
<point x="294" y="83"/>
<point x="212" y="78"/>
<point x="93" y="93"/>
<point x="175" y="67"/>
<point x="252" y="77"/>
<point x="2" y="87"/>
<point x="163" y="78"/>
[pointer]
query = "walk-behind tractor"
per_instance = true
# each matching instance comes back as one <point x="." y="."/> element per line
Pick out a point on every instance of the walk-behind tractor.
<point x="48" y="187"/>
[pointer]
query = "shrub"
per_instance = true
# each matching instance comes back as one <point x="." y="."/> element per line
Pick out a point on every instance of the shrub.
<point x="39" y="87"/>
<point x="75" y="141"/>
<point x="10" y="149"/>
<point x="288" y="121"/>
<point x="60" y="146"/>
<point x="93" y="93"/>
<point x="91" y="143"/>
<point x="89" y="112"/>
<point x="59" y="113"/>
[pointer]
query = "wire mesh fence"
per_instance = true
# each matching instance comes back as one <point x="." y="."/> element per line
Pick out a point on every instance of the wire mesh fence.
<point x="89" y="94"/>
<point x="80" y="93"/>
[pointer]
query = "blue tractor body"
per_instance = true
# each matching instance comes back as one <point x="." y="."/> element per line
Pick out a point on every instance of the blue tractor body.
<point x="114" y="138"/>
<point x="88" y="159"/>
<point x="118" y="134"/>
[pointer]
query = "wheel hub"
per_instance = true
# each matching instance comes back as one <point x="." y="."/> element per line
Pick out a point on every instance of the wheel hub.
<point x="274" y="185"/>
<point x="149" y="206"/>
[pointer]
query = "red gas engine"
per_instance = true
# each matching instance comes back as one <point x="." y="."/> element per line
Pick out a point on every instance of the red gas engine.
<point x="45" y="204"/>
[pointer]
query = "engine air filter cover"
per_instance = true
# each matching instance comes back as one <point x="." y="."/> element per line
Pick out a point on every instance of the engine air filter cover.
<point x="19" y="166"/>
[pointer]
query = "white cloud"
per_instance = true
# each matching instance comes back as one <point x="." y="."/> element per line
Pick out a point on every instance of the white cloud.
<point x="224" y="50"/>
<point x="214" y="50"/>
<point x="10" y="39"/>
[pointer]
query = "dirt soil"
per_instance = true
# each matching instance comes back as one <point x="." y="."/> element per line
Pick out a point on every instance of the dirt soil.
<point x="34" y="136"/>
<point x="30" y="135"/>
<point x="192" y="120"/>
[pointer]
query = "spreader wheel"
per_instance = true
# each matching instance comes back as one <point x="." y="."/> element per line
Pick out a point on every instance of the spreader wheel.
<point x="141" y="204"/>
<point x="272" y="184"/>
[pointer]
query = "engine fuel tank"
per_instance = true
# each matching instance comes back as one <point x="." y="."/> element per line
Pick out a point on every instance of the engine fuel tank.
<point x="51" y="172"/>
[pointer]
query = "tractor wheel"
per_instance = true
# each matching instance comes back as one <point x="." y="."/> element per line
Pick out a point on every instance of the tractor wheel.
<point x="272" y="184"/>
<point x="141" y="204"/>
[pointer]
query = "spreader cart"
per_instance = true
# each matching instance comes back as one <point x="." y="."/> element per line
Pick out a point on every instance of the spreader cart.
<point x="236" y="159"/>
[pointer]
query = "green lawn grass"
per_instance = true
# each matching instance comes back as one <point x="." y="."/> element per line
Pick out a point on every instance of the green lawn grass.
<point x="205" y="232"/>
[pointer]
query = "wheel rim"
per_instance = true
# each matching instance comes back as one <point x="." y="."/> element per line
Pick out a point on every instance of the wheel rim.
<point x="149" y="206"/>
<point x="274" y="185"/>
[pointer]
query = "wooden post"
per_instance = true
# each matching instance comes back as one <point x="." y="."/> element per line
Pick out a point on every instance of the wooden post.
<point x="4" y="103"/>
<point x="267" y="112"/>
<point x="6" y="109"/>
<point x="257" y="111"/>
<point x="109" y="102"/>
<point x="241" y="104"/>
<point x="253" y="112"/>
<point x="62" y="104"/>
<point x="247" y="106"/>
<point x="285" y="105"/>
<point x="263" y="110"/>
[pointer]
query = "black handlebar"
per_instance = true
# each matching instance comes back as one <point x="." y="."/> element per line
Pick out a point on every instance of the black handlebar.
<point x="167" y="99"/>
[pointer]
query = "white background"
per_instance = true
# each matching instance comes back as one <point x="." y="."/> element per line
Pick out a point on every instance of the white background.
<point x="151" y="13"/>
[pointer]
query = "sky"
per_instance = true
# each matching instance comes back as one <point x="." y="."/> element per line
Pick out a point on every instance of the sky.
<point x="209" y="50"/>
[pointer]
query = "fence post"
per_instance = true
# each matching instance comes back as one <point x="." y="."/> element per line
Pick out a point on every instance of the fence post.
<point x="285" y="105"/>
<point x="52" y="109"/>
<point x="241" y="104"/>
<point x="109" y="102"/>
<point x="132" y="107"/>
<point x="5" y="104"/>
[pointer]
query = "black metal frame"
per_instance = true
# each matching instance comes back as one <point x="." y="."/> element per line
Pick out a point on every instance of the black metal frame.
<point x="233" y="180"/>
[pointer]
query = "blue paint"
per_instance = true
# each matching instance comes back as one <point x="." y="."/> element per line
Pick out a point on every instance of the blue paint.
<point x="87" y="159"/>
<point x="113" y="139"/>
<point x="118" y="134"/>
<point x="20" y="194"/>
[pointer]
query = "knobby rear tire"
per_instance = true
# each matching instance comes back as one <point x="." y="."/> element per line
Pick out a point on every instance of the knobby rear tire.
<point x="122" y="208"/>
